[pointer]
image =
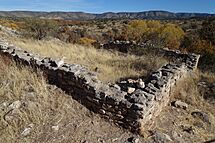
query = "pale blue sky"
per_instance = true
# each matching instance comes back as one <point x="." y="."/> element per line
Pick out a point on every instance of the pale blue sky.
<point x="99" y="6"/>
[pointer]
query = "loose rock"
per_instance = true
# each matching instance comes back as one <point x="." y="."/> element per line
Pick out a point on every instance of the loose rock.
<point x="132" y="140"/>
<point x="130" y="90"/>
<point x="140" y="83"/>
<point x="180" y="104"/>
<point x="15" y="105"/>
<point x="161" y="137"/>
<point x="27" y="130"/>
<point x="55" y="128"/>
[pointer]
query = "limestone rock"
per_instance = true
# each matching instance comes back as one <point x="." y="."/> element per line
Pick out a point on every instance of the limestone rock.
<point x="132" y="140"/>
<point x="130" y="90"/>
<point x="140" y="83"/>
<point x="161" y="137"/>
<point x="55" y="128"/>
<point x="15" y="105"/>
<point x="27" y="130"/>
<point x="131" y="81"/>
<point x="180" y="104"/>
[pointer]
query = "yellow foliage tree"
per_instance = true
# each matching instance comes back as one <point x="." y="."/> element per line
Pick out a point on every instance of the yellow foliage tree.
<point x="136" y="29"/>
<point x="153" y="25"/>
<point x="153" y="29"/>
<point x="171" y="35"/>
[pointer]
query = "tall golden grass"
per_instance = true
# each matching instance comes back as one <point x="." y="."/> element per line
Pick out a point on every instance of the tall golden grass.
<point x="110" y="66"/>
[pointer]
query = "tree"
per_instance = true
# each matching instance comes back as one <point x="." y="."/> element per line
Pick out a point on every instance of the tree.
<point x="39" y="28"/>
<point x="172" y="35"/>
<point x="136" y="29"/>
<point x="153" y="30"/>
<point x="207" y="32"/>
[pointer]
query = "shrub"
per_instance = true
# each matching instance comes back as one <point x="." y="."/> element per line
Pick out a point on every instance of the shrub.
<point x="207" y="63"/>
<point x="38" y="28"/>
<point x="170" y="35"/>
<point x="86" y="41"/>
<point x="207" y="32"/>
<point x="9" y="23"/>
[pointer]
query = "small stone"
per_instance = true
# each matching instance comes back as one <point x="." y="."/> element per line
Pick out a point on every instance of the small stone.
<point x="4" y="105"/>
<point x="130" y="90"/>
<point x="56" y="128"/>
<point x="114" y="140"/>
<point x="102" y="111"/>
<point x="123" y="82"/>
<point x="15" y="105"/>
<point x="27" y="130"/>
<point x="161" y="137"/>
<point x="131" y="81"/>
<point x="140" y="83"/>
<point x="180" y="104"/>
<point x="132" y="140"/>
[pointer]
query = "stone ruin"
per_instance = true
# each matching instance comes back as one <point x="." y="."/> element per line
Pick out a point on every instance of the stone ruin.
<point x="134" y="110"/>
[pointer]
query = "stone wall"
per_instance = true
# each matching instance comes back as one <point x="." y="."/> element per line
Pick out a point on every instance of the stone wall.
<point x="135" y="48"/>
<point x="133" y="110"/>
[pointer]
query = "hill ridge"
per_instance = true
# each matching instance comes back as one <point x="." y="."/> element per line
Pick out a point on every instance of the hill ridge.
<point x="153" y="14"/>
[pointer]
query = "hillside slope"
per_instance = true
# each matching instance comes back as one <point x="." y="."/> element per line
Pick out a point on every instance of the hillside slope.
<point x="108" y="15"/>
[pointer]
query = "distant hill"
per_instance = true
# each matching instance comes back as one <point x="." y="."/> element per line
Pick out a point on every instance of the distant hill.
<point x="108" y="15"/>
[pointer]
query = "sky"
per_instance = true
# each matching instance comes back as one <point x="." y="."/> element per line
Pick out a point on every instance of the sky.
<point x="100" y="6"/>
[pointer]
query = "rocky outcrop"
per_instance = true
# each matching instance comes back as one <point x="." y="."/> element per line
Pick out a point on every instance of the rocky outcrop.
<point x="132" y="110"/>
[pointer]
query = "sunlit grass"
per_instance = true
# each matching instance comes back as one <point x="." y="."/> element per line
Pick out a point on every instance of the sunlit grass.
<point x="110" y="66"/>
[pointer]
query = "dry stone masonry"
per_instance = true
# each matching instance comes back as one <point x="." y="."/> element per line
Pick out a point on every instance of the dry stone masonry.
<point x="132" y="110"/>
<point x="132" y="46"/>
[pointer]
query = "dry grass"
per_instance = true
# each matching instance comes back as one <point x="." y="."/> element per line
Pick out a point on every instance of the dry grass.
<point x="178" y="122"/>
<point x="111" y="66"/>
<point x="44" y="106"/>
<point x="207" y="76"/>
